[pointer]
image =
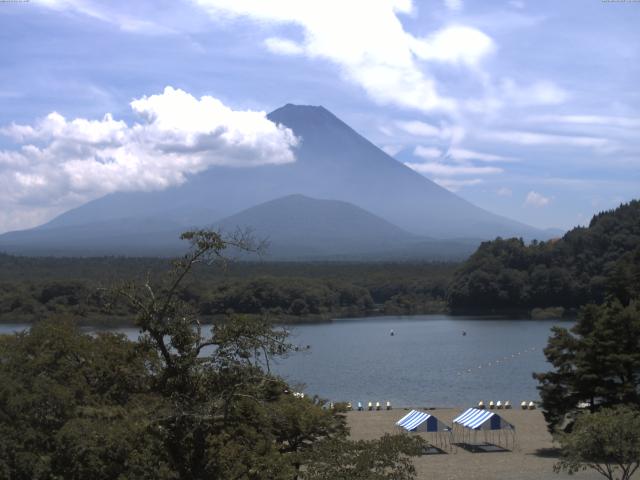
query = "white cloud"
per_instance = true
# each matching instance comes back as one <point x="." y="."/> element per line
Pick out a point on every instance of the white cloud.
<point x="454" y="5"/>
<point x="456" y="44"/>
<point x="283" y="46"/>
<point x="127" y="22"/>
<point x="603" y="120"/>
<point x="535" y="199"/>
<point x="428" y="153"/>
<point x="369" y="43"/>
<point x="542" y="92"/>
<point x="61" y="163"/>
<point x="445" y="170"/>
<point x="504" y="192"/>
<point x="452" y="134"/>
<point x="456" y="185"/>
<point x="534" y="138"/>
<point x="462" y="154"/>
<point x="392" y="150"/>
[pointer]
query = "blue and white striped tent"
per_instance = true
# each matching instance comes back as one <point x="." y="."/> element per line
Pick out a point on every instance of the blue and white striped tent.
<point x="416" y="421"/>
<point x="477" y="419"/>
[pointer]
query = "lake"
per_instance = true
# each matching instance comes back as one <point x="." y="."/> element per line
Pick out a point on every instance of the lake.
<point x="427" y="362"/>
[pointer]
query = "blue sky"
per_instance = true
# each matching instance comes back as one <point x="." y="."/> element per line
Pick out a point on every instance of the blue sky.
<point x="530" y="109"/>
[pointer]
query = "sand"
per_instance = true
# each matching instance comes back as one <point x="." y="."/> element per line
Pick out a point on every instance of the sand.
<point x="533" y="459"/>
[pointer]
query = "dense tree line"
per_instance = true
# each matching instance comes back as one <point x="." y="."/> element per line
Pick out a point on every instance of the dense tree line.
<point x="582" y="267"/>
<point x="284" y="291"/>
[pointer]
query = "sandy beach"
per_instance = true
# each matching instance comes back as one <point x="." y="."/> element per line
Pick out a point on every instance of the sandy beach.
<point x="532" y="460"/>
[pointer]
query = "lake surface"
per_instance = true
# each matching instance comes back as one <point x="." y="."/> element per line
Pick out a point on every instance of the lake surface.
<point x="427" y="362"/>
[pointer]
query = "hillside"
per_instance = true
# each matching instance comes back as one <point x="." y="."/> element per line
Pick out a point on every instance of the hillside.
<point x="299" y="227"/>
<point x="333" y="162"/>
<point x="582" y="267"/>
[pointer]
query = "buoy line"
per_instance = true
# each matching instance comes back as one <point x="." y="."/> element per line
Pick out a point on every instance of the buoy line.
<point x="496" y="363"/>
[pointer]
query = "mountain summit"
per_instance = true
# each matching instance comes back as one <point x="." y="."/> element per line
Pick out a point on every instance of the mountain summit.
<point x="333" y="162"/>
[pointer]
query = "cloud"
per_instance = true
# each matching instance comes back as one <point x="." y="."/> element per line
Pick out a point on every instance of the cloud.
<point x="428" y="153"/>
<point x="435" y="168"/>
<point x="283" y="46"/>
<point x="392" y="150"/>
<point x="600" y="120"/>
<point x="504" y="192"/>
<point x="456" y="44"/>
<point x="452" y="134"/>
<point x="125" y="22"/>
<point x="535" y="199"/>
<point x="457" y="185"/>
<point x="61" y="163"/>
<point x="461" y="154"/>
<point x="542" y="92"/>
<point x="419" y="129"/>
<point x="534" y="138"/>
<point x="454" y="5"/>
<point x="369" y="44"/>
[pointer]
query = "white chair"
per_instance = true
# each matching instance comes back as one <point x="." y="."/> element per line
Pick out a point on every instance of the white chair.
<point x="492" y="405"/>
<point x="481" y="405"/>
<point x="388" y="405"/>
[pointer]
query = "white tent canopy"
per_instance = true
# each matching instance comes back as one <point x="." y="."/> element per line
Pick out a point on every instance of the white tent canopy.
<point x="496" y="430"/>
<point x="477" y="419"/>
<point x="416" y="421"/>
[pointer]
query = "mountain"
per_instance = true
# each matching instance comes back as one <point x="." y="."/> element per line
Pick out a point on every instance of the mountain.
<point x="299" y="227"/>
<point x="333" y="162"/>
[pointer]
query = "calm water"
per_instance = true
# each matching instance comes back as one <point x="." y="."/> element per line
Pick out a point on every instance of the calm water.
<point x="428" y="362"/>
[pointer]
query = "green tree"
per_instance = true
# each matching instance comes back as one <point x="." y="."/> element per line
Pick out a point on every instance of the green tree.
<point x="388" y="458"/>
<point x="597" y="362"/>
<point x="182" y="402"/>
<point x="607" y="441"/>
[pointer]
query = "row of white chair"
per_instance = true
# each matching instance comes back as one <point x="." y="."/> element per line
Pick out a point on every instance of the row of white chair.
<point x="499" y="404"/>
<point x="370" y="406"/>
<point x="524" y="405"/>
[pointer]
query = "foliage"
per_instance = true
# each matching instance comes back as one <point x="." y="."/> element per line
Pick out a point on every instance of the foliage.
<point x="607" y="441"/>
<point x="180" y="403"/>
<point x="34" y="288"/>
<point x="386" y="459"/>
<point x="597" y="362"/>
<point x="582" y="267"/>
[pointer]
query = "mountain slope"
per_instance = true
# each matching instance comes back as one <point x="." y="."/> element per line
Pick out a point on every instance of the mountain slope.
<point x="333" y="162"/>
<point x="582" y="267"/>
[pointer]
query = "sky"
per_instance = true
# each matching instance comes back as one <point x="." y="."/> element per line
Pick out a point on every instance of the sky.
<point x="529" y="109"/>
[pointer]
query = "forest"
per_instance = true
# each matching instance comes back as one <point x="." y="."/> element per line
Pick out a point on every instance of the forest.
<point x="584" y="266"/>
<point x="32" y="288"/>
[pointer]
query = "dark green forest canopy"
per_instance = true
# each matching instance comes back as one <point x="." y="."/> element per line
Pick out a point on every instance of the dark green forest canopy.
<point x="582" y="267"/>
<point x="32" y="287"/>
